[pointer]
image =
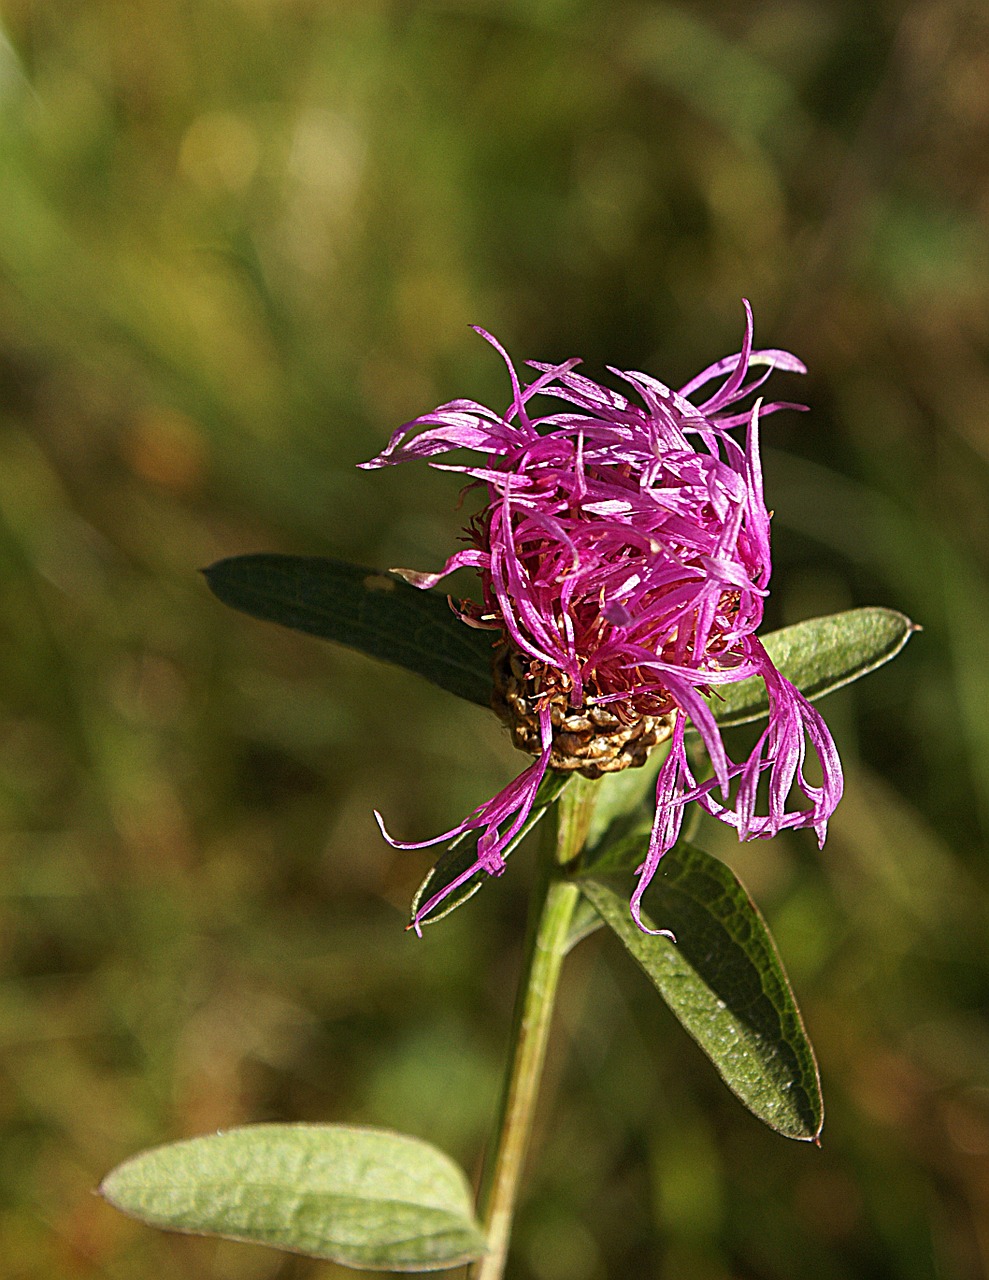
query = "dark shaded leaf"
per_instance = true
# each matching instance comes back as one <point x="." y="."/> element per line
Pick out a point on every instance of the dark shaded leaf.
<point x="374" y="612"/>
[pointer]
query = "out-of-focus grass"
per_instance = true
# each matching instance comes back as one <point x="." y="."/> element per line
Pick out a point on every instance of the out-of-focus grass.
<point x="240" y="243"/>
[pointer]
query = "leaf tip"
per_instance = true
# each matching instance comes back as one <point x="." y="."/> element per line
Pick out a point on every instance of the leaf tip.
<point x="104" y="1190"/>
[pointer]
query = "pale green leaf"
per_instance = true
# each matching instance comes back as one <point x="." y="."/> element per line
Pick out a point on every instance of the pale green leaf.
<point x="818" y="656"/>
<point x="361" y="1197"/>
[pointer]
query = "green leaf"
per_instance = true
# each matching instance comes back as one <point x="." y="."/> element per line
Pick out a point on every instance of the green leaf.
<point x="818" y="656"/>
<point x="722" y="978"/>
<point x="623" y="794"/>
<point x="462" y="853"/>
<point x="383" y="616"/>
<point x="360" y="1197"/>
<point x="374" y="612"/>
<point x="586" y="921"/>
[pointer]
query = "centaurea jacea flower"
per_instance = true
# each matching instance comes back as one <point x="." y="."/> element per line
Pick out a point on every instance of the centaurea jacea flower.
<point x="624" y="559"/>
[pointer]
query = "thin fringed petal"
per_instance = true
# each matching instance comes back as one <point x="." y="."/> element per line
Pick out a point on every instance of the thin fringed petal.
<point x="781" y="753"/>
<point x="470" y="559"/>
<point x="672" y="783"/>
<point x="512" y="805"/>
<point x="460" y="425"/>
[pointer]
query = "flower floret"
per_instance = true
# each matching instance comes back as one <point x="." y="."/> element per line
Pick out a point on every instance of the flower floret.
<point x="624" y="560"/>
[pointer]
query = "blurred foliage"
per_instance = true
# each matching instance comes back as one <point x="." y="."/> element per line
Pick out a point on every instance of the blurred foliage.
<point x="240" y="242"/>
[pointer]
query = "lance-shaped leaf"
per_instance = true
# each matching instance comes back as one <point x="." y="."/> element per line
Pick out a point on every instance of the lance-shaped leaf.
<point x="586" y="920"/>
<point x="360" y="1197"/>
<point x="722" y="979"/>
<point x="374" y="612"/>
<point x="461" y="854"/>
<point x="383" y="616"/>
<point x="818" y="656"/>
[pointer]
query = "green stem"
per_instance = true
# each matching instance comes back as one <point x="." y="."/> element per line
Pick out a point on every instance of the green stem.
<point x="551" y="912"/>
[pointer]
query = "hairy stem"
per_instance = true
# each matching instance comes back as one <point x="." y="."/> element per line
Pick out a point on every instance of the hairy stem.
<point x="551" y="912"/>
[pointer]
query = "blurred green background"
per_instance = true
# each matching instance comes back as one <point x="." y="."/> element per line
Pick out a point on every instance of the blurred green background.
<point x="240" y="242"/>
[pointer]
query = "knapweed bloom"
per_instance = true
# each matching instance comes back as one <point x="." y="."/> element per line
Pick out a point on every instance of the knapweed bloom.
<point x="624" y="559"/>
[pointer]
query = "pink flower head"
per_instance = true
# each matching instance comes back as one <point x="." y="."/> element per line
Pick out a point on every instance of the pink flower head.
<point x="624" y="558"/>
